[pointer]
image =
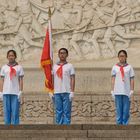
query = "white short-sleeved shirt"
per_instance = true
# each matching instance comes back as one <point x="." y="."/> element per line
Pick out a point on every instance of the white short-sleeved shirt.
<point x="11" y="86"/>
<point x="122" y="87"/>
<point x="63" y="85"/>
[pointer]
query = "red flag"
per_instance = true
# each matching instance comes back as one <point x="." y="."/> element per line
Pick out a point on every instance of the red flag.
<point x="46" y="60"/>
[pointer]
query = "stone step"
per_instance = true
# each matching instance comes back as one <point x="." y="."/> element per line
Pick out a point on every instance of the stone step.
<point x="72" y="132"/>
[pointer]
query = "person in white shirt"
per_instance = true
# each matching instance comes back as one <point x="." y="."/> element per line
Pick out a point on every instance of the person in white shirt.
<point x="11" y="86"/>
<point x="122" y="88"/>
<point x="64" y="84"/>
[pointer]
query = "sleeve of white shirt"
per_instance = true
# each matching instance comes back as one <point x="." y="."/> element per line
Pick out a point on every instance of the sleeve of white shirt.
<point x="132" y="74"/>
<point x="113" y="71"/>
<point x="72" y="71"/>
<point x="21" y="73"/>
<point x="2" y="74"/>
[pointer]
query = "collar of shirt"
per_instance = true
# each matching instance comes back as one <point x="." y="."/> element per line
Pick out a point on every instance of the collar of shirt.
<point x="12" y="65"/>
<point x="59" y="63"/>
<point x="124" y="65"/>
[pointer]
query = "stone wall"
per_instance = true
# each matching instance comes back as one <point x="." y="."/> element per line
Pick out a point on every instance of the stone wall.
<point x="91" y="30"/>
<point x="92" y="103"/>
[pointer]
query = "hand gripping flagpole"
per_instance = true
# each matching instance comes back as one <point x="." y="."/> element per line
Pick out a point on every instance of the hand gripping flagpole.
<point x="51" y="52"/>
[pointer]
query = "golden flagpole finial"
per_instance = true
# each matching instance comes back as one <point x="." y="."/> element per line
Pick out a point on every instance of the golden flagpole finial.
<point x="49" y="12"/>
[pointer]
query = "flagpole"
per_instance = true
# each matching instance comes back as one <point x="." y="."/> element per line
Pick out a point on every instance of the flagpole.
<point x="50" y="33"/>
<point x="51" y="51"/>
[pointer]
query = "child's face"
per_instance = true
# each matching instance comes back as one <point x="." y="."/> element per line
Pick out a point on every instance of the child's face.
<point x="11" y="57"/>
<point x="62" y="55"/>
<point x="122" y="57"/>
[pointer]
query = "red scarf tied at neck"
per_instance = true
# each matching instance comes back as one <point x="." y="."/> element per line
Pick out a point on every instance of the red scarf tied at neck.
<point x="59" y="71"/>
<point x="12" y="72"/>
<point x="122" y="71"/>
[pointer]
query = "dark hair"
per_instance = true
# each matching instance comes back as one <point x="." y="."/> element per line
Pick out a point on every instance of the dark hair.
<point x="13" y="51"/>
<point x="64" y="50"/>
<point x="122" y="51"/>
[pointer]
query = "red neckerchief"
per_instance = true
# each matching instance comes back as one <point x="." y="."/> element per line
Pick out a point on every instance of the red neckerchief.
<point x="122" y="70"/>
<point x="59" y="71"/>
<point x="12" y="70"/>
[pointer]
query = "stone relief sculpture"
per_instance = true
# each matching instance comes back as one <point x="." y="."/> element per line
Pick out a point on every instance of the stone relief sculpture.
<point x="90" y="29"/>
<point x="15" y="25"/>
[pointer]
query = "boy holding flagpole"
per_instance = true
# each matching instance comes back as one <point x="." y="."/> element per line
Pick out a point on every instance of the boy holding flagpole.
<point x="64" y="84"/>
<point x="60" y="79"/>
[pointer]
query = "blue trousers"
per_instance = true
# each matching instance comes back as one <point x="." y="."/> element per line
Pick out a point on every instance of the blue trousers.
<point x="11" y="109"/>
<point x="62" y="108"/>
<point x="122" y="104"/>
